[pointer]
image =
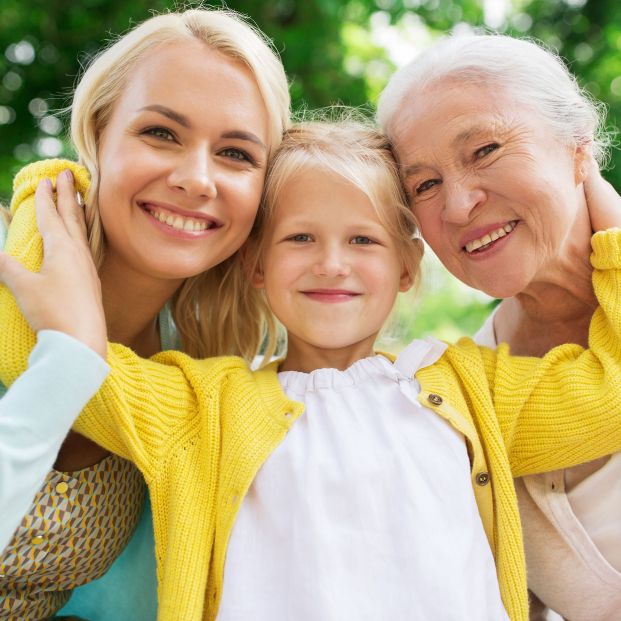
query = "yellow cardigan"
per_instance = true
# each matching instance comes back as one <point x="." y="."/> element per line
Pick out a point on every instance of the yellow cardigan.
<point x="200" y="430"/>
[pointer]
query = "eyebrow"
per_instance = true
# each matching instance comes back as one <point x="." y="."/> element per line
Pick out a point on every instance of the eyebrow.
<point x="243" y="135"/>
<point x="410" y="170"/>
<point x="460" y="139"/>
<point x="171" y="114"/>
<point x="469" y="133"/>
<point x="185" y="122"/>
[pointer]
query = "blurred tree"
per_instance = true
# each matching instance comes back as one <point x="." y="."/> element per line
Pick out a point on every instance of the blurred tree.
<point x="44" y="46"/>
<point x="587" y="34"/>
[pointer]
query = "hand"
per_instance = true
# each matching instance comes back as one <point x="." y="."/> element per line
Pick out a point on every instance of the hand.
<point x="603" y="201"/>
<point x="66" y="294"/>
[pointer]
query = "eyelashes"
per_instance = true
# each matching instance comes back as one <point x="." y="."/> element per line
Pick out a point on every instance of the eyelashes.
<point x="160" y="133"/>
<point x="479" y="154"/>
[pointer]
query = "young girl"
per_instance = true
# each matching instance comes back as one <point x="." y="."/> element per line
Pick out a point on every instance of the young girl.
<point x="337" y="482"/>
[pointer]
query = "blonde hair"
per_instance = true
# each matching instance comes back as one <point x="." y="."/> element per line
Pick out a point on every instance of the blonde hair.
<point x="356" y="151"/>
<point x="206" y="310"/>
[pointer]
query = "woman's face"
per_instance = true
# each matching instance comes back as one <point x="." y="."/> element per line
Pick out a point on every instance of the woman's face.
<point x="182" y="163"/>
<point x="497" y="196"/>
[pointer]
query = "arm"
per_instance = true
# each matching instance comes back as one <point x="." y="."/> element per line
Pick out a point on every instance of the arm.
<point x="36" y="415"/>
<point x="144" y="401"/>
<point x="585" y="382"/>
<point x="563" y="409"/>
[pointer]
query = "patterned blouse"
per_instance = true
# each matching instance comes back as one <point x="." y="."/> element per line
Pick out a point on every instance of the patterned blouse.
<point x="77" y="525"/>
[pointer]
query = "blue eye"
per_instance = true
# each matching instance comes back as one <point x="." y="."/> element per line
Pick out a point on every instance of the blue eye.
<point x="486" y="150"/>
<point x="300" y="238"/>
<point x="237" y="154"/>
<point x="426" y="185"/>
<point x="159" y="132"/>
<point x="362" y="240"/>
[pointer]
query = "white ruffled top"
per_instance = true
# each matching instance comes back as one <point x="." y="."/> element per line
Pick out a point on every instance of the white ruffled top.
<point x="365" y="511"/>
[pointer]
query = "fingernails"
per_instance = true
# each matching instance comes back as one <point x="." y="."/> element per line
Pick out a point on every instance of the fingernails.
<point x="46" y="184"/>
<point x="68" y="175"/>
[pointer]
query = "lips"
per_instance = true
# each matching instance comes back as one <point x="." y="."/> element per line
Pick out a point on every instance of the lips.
<point x="194" y="223"/>
<point x="487" y="239"/>
<point x="331" y="295"/>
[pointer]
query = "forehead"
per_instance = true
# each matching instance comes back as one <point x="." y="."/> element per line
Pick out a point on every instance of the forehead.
<point x="445" y="116"/>
<point x="316" y="193"/>
<point x="190" y="75"/>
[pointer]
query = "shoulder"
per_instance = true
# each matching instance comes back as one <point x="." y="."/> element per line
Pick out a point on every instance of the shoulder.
<point x="28" y="178"/>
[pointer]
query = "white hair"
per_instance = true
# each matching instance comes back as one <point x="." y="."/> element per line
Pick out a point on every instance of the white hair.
<point x="530" y="73"/>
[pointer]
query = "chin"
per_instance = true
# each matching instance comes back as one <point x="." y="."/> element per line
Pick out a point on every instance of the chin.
<point x="500" y="286"/>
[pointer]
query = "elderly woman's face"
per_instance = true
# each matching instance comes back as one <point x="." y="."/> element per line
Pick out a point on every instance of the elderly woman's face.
<point x="495" y="192"/>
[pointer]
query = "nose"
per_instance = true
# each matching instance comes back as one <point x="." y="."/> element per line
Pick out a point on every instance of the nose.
<point x="462" y="200"/>
<point x="331" y="262"/>
<point x="194" y="174"/>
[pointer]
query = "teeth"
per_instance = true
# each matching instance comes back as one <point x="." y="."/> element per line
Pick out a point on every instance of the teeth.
<point x="475" y="244"/>
<point x="180" y="223"/>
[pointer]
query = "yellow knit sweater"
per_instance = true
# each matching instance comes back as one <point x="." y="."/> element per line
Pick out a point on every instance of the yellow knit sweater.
<point x="200" y="430"/>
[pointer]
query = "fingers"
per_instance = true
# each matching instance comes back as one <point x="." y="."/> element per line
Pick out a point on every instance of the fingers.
<point x="603" y="201"/>
<point x="47" y="219"/>
<point x="13" y="274"/>
<point x="69" y="209"/>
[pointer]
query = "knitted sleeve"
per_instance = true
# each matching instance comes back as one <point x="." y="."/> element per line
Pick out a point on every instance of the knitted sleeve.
<point x="24" y="242"/>
<point x="564" y="408"/>
<point x="145" y="408"/>
<point x="145" y="405"/>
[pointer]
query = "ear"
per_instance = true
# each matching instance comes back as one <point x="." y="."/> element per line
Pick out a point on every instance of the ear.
<point x="252" y="264"/>
<point x="406" y="281"/>
<point x="408" y="278"/>
<point x="583" y="156"/>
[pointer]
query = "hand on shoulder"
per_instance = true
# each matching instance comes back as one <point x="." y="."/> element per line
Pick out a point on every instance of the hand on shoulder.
<point x="603" y="201"/>
<point x="66" y="294"/>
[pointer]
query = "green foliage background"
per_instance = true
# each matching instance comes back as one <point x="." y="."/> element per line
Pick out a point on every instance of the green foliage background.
<point x="330" y="55"/>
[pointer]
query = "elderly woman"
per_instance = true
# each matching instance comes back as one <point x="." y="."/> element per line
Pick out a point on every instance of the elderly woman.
<point x="495" y="140"/>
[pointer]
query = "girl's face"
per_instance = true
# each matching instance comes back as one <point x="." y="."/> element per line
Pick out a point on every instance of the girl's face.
<point x="330" y="270"/>
<point x="496" y="194"/>
<point x="182" y="163"/>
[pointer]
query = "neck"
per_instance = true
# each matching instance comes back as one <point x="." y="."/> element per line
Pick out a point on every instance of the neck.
<point x="556" y="307"/>
<point x="552" y="310"/>
<point x="305" y="357"/>
<point x="131" y="304"/>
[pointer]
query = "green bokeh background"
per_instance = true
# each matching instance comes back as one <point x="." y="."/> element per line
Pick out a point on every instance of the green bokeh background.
<point x="332" y="54"/>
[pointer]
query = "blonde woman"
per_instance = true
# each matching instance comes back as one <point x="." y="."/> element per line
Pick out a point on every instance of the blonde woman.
<point x="174" y="125"/>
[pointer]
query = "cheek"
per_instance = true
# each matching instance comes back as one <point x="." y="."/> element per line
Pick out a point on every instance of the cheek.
<point x="243" y="194"/>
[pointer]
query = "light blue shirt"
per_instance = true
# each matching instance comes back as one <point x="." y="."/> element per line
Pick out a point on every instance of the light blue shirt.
<point x="66" y="374"/>
<point x="128" y="590"/>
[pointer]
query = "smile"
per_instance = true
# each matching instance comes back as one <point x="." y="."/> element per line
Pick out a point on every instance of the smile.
<point x="178" y="222"/>
<point x="330" y="295"/>
<point x="489" y="238"/>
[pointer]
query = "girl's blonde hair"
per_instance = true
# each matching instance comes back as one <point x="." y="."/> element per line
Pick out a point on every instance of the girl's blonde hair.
<point x="356" y="151"/>
<point x="206" y="310"/>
